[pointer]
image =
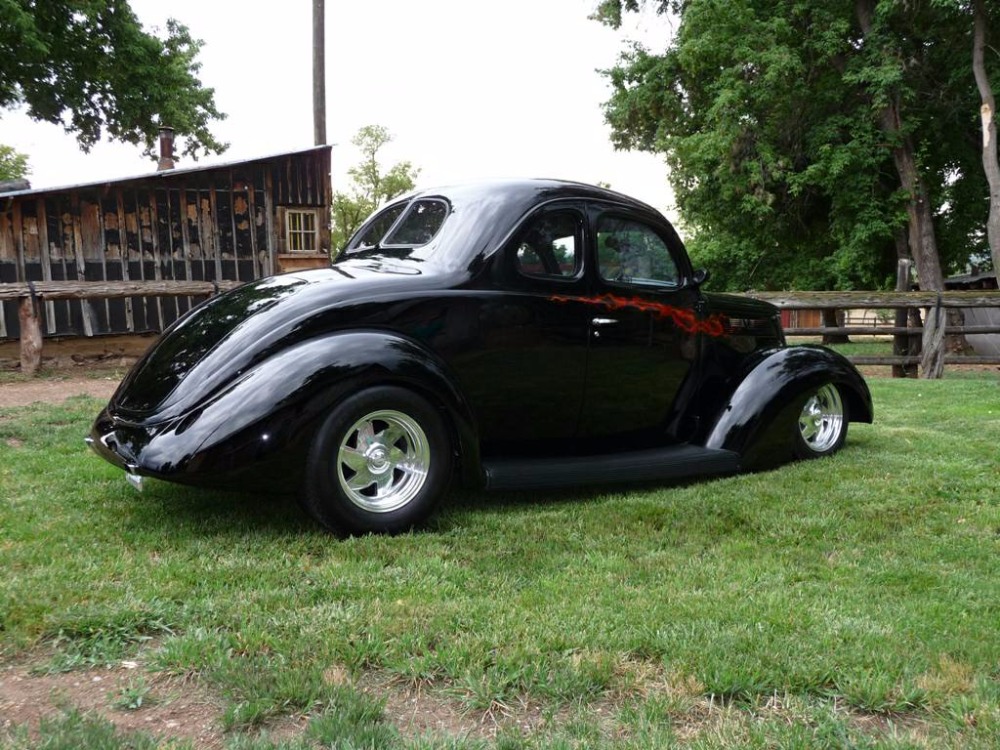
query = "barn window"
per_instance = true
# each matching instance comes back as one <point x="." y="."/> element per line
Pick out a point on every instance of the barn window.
<point x="301" y="231"/>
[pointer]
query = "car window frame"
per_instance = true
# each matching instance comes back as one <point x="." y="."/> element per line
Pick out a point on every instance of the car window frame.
<point x="669" y="239"/>
<point x="513" y="244"/>
<point x="407" y="207"/>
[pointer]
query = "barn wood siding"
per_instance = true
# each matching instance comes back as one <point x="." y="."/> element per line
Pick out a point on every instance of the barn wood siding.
<point x="210" y="224"/>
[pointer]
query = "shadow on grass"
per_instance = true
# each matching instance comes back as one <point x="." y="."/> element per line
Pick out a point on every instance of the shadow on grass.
<point x="183" y="511"/>
<point x="469" y="497"/>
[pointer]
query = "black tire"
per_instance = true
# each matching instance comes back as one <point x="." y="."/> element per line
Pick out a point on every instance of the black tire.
<point x="821" y="427"/>
<point x="379" y="463"/>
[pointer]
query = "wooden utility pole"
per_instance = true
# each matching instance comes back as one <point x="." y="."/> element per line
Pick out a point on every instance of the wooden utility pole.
<point x="319" y="72"/>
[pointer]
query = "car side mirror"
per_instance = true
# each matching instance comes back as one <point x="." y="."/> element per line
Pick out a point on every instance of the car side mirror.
<point x="699" y="277"/>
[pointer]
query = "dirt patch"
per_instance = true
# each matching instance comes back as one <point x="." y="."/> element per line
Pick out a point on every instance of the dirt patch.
<point x="179" y="709"/>
<point x="167" y="707"/>
<point x="419" y="710"/>
<point x="56" y="390"/>
<point x="70" y="367"/>
<point x="182" y="709"/>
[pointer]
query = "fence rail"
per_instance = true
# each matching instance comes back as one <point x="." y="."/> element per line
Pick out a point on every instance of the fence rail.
<point x="53" y="290"/>
<point x="29" y="294"/>
<point x="884" y="330"/>
<point x="878" y="300"/>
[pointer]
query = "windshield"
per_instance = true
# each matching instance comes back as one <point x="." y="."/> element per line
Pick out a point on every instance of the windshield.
<point x="402" y="225"/>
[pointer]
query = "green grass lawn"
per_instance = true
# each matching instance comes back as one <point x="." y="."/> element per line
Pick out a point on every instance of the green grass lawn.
<point x="849" y="602"/>
<point x="864" y="347"/>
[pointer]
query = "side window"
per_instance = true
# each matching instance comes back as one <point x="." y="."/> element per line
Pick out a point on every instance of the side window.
<point x="551" y="246"/>
<point x="631" y="252"/>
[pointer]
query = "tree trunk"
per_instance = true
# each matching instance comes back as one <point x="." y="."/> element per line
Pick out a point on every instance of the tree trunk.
<point x="832" y="318"/>
<point x="903" y="344"/>
<point x="923" y="242"/>
<point x="991" y="163"/>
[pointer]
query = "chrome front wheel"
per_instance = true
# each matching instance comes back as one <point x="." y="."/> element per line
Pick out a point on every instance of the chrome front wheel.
<point x="822" y="425"/>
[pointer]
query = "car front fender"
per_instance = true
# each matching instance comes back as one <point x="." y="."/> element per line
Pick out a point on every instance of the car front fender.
<point x="758" y="422"/>
<point x="259" y="427"/>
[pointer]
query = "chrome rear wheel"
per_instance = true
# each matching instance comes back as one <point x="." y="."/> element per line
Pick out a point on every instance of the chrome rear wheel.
<point x="380" y="462"/>
<point x="383" y="461"/>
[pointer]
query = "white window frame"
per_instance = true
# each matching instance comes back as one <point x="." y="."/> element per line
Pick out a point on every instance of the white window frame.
<point x="301" y="230"/>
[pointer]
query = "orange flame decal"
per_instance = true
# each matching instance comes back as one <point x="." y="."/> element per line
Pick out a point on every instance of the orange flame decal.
<point x="683" y="318"/>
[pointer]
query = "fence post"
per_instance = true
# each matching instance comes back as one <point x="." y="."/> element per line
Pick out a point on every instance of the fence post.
<point x="902" y="342"/>
<point x="31" y="334"/>
<point x="932" y="346"/>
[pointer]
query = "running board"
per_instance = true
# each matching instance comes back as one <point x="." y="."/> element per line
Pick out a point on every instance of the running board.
<point x="674" y="462"/>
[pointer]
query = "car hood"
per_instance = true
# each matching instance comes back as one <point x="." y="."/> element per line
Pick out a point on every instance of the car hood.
<point x="224" y="337"/>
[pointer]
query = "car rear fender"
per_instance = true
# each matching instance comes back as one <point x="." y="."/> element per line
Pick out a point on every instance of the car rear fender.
<point x="759" y="419"/>
<point x="270" y="413"/>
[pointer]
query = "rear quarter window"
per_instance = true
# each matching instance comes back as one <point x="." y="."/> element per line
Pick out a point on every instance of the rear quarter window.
<point x="420" y="224"/>
<point x="403" y="225"/>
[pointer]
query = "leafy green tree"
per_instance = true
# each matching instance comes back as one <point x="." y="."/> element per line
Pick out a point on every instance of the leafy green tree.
<point x="813" y="141"/>
<point x="371" y="185"/>
<point x="13" y="165"/>
<point x="90" y="66"/>
<point x="810" y="142"/>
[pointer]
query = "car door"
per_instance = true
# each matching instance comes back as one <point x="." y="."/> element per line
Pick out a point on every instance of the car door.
<point x="642" y="328"/>
<point x="525" y="377"/>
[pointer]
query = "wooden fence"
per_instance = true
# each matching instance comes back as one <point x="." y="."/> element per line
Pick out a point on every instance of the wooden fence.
<point x="931" y="303"/>
<point x="31" y="294"/>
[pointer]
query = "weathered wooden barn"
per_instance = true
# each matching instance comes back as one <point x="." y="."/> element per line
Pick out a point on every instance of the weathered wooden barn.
<point x="230" y="222"/>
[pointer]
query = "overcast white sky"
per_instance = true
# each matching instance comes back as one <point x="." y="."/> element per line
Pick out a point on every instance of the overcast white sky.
<point x="469" y="90"/>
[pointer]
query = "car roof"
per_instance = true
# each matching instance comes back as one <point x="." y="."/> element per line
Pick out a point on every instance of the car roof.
<point x="530" y="191"/>
<point x="484" y="213"/>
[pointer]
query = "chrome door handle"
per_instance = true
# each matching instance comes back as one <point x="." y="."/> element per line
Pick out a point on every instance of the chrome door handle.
<point x="598" y="322"/>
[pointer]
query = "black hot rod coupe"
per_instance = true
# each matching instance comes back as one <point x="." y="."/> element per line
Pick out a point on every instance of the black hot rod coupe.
<point x="519" y="334"/>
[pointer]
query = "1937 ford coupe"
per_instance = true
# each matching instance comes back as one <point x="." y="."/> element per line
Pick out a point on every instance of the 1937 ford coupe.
<point x="522" y="334"/>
